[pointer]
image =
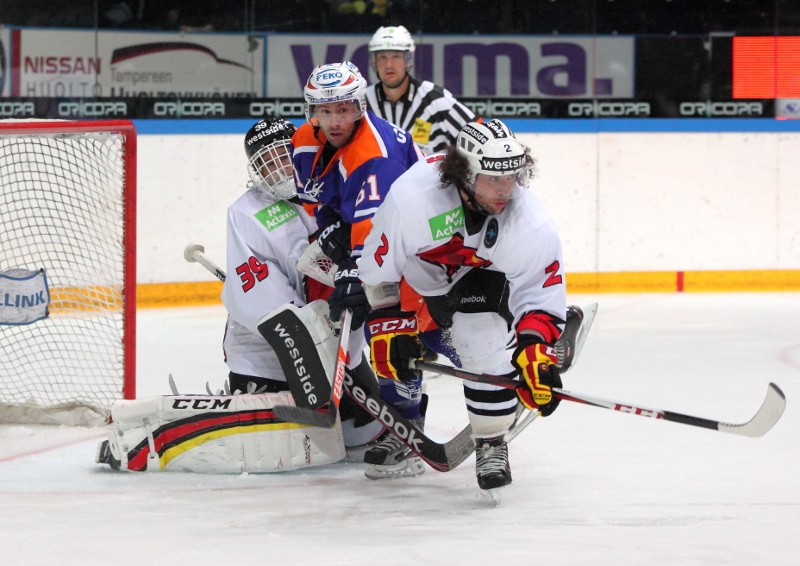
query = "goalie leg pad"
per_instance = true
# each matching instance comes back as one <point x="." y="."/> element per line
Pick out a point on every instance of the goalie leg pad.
<point x="217" y="434"/>
<point x="306" y="349"/>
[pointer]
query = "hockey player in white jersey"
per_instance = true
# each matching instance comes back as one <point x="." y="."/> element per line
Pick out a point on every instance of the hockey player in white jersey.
<point x="267" y="234"/>
<point x="431" y="113"/>
<point x="268" y="231"/>
<point x="462" y="230"/>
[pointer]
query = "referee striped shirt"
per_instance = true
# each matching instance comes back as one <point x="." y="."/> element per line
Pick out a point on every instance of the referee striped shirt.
<point x="431" y="113"/>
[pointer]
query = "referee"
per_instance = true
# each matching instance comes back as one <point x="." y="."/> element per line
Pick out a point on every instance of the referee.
<point x="431" y="113"/>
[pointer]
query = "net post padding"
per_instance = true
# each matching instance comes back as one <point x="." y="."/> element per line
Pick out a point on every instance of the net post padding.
<point x="68" y="205"/>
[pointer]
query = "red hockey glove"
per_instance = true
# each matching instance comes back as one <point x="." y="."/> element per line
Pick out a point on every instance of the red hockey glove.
<point x="393" y="340"/>
<point x="538" y="365"/>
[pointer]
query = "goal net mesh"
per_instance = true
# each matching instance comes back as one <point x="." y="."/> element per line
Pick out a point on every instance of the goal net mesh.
<point x="62" y="199"/>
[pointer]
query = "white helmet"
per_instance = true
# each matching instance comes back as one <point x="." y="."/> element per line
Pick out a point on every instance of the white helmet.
<point x="335" y="82"/>
<point x="393" y="38"/>
<point x="491" y="149"/>
<point x="269" y="159"/>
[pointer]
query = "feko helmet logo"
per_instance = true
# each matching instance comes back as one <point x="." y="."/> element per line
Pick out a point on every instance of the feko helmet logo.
<point x="329" y="77"/>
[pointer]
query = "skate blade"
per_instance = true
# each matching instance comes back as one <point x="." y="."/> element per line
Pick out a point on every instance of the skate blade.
<point x="492" y="496"/>
<point x="408" y="468"/>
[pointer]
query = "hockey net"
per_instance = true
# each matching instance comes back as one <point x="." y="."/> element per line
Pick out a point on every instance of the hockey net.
<point x="68" y="208"/>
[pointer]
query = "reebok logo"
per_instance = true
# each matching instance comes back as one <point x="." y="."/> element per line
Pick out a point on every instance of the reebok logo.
<point x="473" y="299"/>
<point x="381" y="411"/>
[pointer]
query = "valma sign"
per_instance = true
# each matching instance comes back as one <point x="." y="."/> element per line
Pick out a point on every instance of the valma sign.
<point x="473" y="66"/>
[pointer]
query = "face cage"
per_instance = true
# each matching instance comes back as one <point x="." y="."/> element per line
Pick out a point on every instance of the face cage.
<point x="278" y="181"/>
<point x="360" y="102"/>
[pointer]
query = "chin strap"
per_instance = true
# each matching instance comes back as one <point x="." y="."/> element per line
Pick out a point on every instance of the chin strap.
<point x="470" y="203"/>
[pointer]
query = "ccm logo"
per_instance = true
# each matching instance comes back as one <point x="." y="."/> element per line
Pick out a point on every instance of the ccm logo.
<point x="388" y="325"/>
<point x="201" y="403"/>
<point x="638" y="411"/>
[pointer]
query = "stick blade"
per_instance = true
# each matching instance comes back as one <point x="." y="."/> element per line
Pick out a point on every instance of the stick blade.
<point x="322" y="418"/>
<point x="770" y="412"/>
<point x="458" y="449"/>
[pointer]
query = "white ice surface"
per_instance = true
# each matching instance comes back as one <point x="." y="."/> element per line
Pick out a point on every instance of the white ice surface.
<point x="591" y="486"/>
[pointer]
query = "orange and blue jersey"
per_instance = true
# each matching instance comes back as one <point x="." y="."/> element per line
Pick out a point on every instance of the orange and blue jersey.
<point x="356" y="179"/>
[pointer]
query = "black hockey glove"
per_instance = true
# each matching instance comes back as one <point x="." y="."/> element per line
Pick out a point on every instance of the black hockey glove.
<point x="348" y="293"/>
<point x="393" y="341"/>
<point x="334" y="240"/>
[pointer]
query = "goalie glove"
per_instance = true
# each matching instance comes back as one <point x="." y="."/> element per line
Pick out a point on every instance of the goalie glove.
<point x="348" y="293"/>
<point x="394" y="340"/>
<point x="538" y="366"/>
<point x="334" y="240"/>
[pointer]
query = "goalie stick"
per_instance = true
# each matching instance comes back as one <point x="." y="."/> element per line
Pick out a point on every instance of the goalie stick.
<point x="195" y="253"/>
<point x="312" y="263"/>
<point x="764" y="419"/>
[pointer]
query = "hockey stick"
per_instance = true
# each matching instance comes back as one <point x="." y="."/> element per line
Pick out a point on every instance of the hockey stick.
<point x="445" y="457"/>
<point x="766" y="417"/>
<point x="323" y="417"/>
<point x="194" y="253"/>
<point x="312" y="263"/>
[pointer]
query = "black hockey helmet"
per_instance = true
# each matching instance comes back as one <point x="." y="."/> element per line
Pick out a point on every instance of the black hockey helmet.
<point x="269" y="160"/>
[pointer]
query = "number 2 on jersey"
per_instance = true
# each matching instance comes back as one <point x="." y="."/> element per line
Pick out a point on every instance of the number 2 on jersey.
<point x="553" y="277"/>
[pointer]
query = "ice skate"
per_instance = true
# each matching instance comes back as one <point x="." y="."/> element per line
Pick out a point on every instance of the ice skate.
<point x="104" y="455"/>
<point x="491" y="463"/>
<point x="389" y="458"/>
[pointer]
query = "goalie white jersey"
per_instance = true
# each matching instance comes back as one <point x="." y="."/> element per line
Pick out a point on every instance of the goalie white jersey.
<point x="265" y="239"/>
<point x="420" y="233"/>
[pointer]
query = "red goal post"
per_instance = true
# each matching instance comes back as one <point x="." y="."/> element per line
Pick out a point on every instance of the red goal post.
<point x="68" y="210"/>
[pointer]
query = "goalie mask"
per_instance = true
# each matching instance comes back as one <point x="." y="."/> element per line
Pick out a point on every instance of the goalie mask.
<point x="335" y="83"/>
<point x="269" y="158"/>
<point x="393" y="38"/>
<point x="499" y="168"/>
